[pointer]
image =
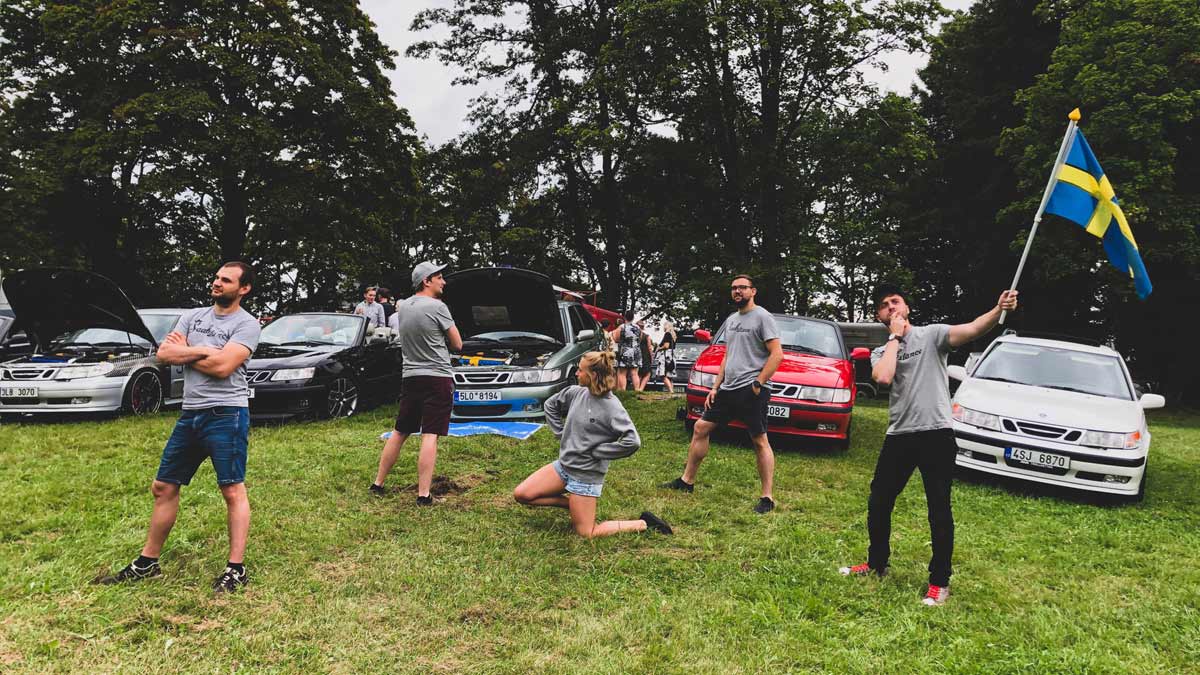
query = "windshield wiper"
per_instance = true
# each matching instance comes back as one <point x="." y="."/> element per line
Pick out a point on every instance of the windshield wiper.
<point x="805" y="349"/>
<point x="305" y="343"/>
<point x="1061" y="387"/>
<point x="1000" y="379"/>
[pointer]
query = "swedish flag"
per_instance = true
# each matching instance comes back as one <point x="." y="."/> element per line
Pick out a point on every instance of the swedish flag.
<point x="1084" y="195"/>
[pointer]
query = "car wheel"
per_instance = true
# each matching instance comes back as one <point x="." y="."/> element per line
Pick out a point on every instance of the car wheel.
<point x="144" y="395"/>
<point x="844" y="443"/>
<point x="342" y="398"/>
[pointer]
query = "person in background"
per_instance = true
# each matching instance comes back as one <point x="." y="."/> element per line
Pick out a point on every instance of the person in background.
<point x="646" y="354"/>
<point x="593" y="429"/>
<point x="629" y="355"/>
<point x="384" y="297"/>
<point x="371" y="309"/>
<point x="664" y="356"/>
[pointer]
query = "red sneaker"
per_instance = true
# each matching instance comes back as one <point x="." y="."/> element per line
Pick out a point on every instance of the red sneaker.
<point x="859" y="571"/>
<point x="937" y="595"/>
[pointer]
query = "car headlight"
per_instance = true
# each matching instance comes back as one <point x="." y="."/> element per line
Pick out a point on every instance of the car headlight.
<point x="1105" y="439"/>
<point x="824" y="394"/>
<point x="536" y="376"/>
<point x="80" y="372"/>
<point x="293" y="374"/>
<point x="700" y="378"/>
<point x="975" y="418"/>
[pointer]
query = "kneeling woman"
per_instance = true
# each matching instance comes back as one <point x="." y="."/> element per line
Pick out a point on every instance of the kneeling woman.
<point x="593" y="429"/>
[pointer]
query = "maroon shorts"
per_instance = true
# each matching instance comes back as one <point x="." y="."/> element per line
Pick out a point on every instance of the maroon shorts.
<point x="425" y="404"/>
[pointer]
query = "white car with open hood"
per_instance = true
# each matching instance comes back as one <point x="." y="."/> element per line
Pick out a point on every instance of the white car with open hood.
<point x="92" y="351"/>
<point x="1056" y="412"/>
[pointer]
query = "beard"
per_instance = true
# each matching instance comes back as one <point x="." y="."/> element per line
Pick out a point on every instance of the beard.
<point x="741" y="302"/>
<point x="225" y="299"/>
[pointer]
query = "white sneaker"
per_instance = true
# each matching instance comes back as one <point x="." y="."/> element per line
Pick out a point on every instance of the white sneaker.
<point x="937" y="595"/>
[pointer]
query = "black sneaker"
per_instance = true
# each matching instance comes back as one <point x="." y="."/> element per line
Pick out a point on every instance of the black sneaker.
<point x="679" y="484"/>
<point x="764" y="505"/>
<point x="655" y="523"/>
<point x="427" y="500"/>
<point x="229" y="580"/>
<point x="130" y="572"/>
<point x="377" y="490"/>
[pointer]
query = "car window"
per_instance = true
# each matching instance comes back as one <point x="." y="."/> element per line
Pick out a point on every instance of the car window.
<point x="803" y="335"/>
<point x="580" y="320"/>
<point x="313" y="330"/>
<point x="1055" y="368"/>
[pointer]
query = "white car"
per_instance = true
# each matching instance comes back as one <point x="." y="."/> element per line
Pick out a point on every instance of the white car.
<point x="1055" y="412"/>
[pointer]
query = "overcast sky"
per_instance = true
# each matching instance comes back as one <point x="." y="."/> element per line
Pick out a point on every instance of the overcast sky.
<point x="439" y="109"/>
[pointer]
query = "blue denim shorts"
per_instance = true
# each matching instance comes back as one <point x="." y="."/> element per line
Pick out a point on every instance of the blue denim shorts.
<point x="575" y="487"/>
<point x="220" y="433"/>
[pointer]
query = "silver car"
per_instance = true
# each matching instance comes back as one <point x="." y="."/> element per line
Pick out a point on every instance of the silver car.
<point x="92" y="351"/>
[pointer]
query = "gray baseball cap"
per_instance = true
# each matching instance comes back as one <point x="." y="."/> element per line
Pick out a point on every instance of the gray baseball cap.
<point x="425" y="270"/>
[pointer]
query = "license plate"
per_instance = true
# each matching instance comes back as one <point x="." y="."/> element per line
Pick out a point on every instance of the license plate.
<point x="477" y="395"/>
<point x="781" y="411"/>
<point x="18" y="392"/>
<point x="1047" y="460"/>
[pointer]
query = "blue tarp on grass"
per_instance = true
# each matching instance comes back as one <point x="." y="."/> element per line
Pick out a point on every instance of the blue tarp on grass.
<point x="517" y="430"/>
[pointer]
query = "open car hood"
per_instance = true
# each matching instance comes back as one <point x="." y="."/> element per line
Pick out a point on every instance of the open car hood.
<point x="493" y="299"/>
<point x="50" y="301"/>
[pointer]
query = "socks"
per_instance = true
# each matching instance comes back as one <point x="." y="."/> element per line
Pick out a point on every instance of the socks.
<point x="143" y="562"/>
<point x="236" y="567"/>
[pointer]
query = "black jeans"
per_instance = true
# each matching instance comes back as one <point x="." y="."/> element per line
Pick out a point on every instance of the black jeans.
<point x="933" y="453"/>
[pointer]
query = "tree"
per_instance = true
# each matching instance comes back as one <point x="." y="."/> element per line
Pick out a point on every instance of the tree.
<point x="1134" y="70"/>
<point x="172" y="136"/>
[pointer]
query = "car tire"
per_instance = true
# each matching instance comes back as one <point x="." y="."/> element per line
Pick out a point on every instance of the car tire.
<point x="843" y="444"/>
<point x="144" y="393"/>
<point x="342" y="398"/>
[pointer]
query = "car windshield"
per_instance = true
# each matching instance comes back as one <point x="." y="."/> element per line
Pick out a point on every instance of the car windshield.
<point x="159" y="325"/>
<point x="688" y="351"/>
<point x="1055" y="368"/>
<point x="313" y="330"/>
<point x="798" y="334"/>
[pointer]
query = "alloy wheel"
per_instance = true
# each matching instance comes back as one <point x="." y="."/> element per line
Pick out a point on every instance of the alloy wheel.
<point x="145" y="393"/>
<point x="342" y="400"/>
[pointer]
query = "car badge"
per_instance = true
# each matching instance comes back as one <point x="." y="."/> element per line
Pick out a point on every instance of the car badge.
<point x="1042" y="415"/>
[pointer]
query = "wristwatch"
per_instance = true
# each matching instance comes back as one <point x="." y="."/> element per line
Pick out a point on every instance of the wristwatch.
<point x="893" y="336"/>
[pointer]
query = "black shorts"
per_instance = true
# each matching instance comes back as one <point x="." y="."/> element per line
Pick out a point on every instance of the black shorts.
<point x="741" y="405"/>
<point x="425" y="405"/>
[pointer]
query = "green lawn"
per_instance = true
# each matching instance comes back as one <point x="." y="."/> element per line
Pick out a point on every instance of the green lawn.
<point x="1044" y="583"/>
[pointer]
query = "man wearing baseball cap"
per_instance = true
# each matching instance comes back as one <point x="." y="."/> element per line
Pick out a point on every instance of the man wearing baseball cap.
<point x="427" y="336"/>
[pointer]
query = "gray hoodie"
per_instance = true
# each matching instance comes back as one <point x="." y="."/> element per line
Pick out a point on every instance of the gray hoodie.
<point x="592" y="431"/>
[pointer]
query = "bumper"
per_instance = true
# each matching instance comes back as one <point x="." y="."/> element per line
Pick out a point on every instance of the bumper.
<point x="814" y="420"/>
<point x="93" y="394"/>
<point x="517" y="403"/>
<point x="1110" y="472"/>
<point x="283" y="401"/>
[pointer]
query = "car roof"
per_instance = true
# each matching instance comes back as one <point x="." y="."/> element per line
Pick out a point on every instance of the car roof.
<point x="1060" y="344"/>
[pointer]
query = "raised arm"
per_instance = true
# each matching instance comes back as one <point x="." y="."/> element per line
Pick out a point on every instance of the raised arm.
<point x="963" y="333"/>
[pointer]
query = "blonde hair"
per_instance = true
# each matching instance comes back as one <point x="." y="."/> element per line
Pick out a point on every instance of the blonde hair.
<point x="669" y="327"/>
<point x="602" y="372"/>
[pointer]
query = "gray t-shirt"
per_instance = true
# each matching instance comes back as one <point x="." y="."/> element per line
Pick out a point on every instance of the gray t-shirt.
<point x="423" y="325"/>
<point x="746" y="350"/>
<point x="374" y="313"/>
<point x="920" y="396"/>
<point x="205" y="328"/>
<point x="592" y="431"/>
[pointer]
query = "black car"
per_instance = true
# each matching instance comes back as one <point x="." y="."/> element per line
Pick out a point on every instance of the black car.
<point x="321" y="365"/>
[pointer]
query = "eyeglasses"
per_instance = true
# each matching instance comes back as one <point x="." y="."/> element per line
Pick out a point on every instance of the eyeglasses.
<point x="740" y="287"/>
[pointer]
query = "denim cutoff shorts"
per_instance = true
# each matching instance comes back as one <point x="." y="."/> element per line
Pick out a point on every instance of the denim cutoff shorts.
<point x="220" y="433"/>
<point x="576" y="487"/>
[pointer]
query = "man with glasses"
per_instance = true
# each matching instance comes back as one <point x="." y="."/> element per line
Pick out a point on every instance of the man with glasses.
<point x="741" y="392"/>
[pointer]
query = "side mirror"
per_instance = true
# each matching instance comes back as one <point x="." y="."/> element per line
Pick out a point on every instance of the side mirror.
<point x="957" y="373"/>
<point x="1152" y="401"/>
<point x="586" y="334"/>
<point x="703" y="335"/>
<point x="858" y="354"/>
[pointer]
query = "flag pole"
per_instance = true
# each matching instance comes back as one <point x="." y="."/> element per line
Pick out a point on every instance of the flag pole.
<point x="1064" y="149"/>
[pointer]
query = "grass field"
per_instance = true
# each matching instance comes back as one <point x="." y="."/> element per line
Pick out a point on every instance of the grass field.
<point x="1044" y="582"/>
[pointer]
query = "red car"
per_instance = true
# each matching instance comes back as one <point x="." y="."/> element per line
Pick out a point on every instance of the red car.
<point x="812" y="393"/>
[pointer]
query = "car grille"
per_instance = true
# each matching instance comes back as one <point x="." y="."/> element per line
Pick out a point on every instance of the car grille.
<point x="258" y="376"/>
<point x="482" y="410"/>
<point x="27" y="374"/>
<point x="481" y="378"/>
<point x="1044" y="431"/>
